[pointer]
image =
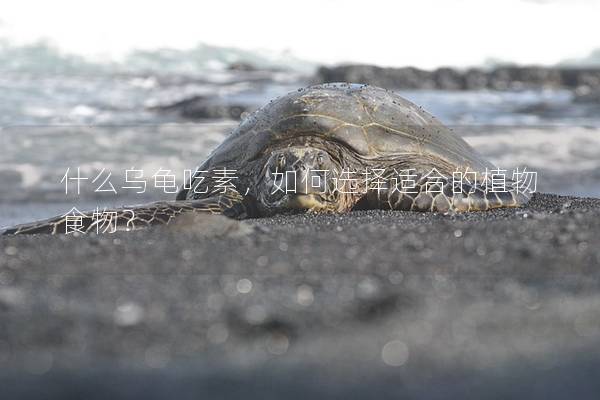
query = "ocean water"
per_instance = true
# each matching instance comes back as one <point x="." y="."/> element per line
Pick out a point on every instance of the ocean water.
<point x="100" y="119"/>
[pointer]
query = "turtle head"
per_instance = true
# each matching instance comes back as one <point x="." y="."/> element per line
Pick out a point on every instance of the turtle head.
<point x="299" y="178"/>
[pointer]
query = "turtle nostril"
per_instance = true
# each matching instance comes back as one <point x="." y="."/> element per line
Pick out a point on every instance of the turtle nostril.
<point x="320" y="160"/>
<point x="281" y="161"/>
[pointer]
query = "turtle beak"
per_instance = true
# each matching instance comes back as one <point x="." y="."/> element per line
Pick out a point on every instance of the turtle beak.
<point x="312" y="187"/>
<point x="307" y="202"/>
<point x="310" y="181"/>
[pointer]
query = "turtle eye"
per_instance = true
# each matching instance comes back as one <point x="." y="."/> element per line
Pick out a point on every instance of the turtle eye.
<point x="280" y="161"/>
<point x="320" y="159"/>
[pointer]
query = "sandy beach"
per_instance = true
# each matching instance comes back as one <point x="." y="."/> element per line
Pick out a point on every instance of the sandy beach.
<point x="384" y="304"/>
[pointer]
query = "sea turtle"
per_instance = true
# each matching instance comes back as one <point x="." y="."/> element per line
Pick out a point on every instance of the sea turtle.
<point x="329" y="143"/>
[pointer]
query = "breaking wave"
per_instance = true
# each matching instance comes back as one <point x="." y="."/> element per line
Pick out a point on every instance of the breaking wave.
<point x="42" y="57"/>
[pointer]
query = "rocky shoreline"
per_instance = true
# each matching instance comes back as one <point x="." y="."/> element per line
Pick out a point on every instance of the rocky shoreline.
<point x="500" y="78"/>
<point x="584" y="83"/>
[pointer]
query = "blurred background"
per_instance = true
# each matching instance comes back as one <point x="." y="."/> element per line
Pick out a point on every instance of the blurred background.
<point x="110" y="86"/>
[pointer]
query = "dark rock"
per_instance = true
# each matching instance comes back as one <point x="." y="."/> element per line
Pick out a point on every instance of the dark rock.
<point x="407" y="78"/>
<point x="500" y="78"/>
<point x="587" y="96"/>
<point x="475" y="79"/>
<point x="541" y="108"/>
<point x="577" y="77"/>
<point x="241" y="66"/>
<point x="200" y="107"/>
<point x="448" y="79"/>
<point x="524" y="77"/>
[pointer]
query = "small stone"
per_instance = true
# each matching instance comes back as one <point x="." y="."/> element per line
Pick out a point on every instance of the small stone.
<point x="11" y="250"/>
<point x="304" y="295"/>
<point x="395" y="353"/>
<point x="128" y="314"/>
<point x="277" y="344"/>
<point x="244" y="285"/>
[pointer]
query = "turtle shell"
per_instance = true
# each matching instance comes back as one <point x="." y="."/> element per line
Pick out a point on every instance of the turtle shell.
<point x="372" y="122"/>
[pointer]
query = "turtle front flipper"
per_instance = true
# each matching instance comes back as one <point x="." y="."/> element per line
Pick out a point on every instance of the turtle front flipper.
<point x="444" y="195"/>
<point x="135" y="217"/>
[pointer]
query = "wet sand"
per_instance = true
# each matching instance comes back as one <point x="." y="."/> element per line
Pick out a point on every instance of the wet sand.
<point x="372" y="304"/>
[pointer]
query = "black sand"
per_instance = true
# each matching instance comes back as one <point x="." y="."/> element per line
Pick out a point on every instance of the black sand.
<point x="499" y="304"/>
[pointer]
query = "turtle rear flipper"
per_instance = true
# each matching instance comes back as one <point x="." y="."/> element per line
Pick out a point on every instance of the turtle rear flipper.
<point x="443" y="195"/>
<point x="480" y="198"/>
<point x="135" y="217"/>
